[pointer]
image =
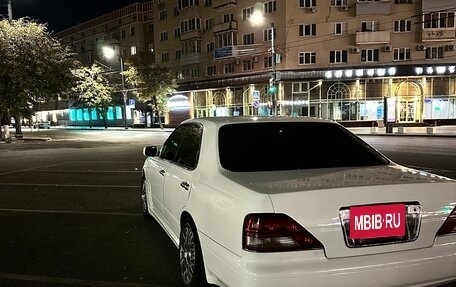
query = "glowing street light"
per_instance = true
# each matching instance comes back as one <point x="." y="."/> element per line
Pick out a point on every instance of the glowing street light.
<point x="109" y="53"/>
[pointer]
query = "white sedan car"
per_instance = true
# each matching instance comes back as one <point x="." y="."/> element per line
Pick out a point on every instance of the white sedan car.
<point x="296" y="202"/>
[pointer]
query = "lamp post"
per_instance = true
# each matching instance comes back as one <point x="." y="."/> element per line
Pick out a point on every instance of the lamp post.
<point x="257" y="18"/>
<point x="109" y="53"/>
<point x="308" y="96"/>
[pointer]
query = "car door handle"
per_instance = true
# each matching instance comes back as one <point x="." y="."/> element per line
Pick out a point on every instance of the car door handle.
<point x="185" y="185"/>
<point x="162" y="172"/>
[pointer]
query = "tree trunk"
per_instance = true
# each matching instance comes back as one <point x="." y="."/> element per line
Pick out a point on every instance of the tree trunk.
<point x="17" y="119"/>
<point x="158" y="113"/>
<point x="105" y="115"/>
<point x="90" y="117"/>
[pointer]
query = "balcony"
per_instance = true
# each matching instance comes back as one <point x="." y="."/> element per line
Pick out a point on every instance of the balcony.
<point x="194" y="34"/>
<point x="232" y="25"/>
<point x="377" y="37"/>
<point x="428" y="35"/>
<point x="189" y="59"/>
<point x="191" y="11"/>
<point x="235" y="51"/>
<point x="220" y="5"/>
<point x="373" y="8"/>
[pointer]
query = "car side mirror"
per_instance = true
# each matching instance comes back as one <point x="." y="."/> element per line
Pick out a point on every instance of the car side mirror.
<point x="150" y="151"/>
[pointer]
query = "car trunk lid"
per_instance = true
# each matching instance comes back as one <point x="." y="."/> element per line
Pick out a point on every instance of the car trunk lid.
<point x="322" y="200"/>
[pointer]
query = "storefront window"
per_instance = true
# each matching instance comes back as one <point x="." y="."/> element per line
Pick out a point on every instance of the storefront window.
<point x="437" y="108"/>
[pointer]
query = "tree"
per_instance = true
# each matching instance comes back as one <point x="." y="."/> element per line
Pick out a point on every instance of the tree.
<point x="33" y="67"/>
<point x="153" y="86"/>
<point x="92" y="91"/>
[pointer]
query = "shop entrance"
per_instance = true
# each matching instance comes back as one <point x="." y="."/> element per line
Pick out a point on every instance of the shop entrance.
<point x="409" y="103"/>
<point x="408" y="110"/>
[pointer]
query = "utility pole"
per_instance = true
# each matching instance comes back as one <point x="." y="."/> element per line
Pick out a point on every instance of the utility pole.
<point x="272" y="84"/>
<point x="124" y="90"/>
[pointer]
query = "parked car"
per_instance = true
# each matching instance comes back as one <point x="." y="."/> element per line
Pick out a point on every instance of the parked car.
<point x="296" y="202"/>
<point x="42" y="125"/>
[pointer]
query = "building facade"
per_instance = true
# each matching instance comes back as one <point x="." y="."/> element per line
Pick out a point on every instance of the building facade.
<point x="361" y="61"/>
<point x="355" y="61"/>
<point x="130" y="33"/>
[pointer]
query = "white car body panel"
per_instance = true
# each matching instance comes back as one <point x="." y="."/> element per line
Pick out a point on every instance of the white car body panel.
<point x="218" y="201"/>
<point x="174" y="202"/>
<point x="155" y="183"/>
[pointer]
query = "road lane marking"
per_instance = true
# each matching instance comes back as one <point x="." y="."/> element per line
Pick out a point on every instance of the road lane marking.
<point x="86" y="171"/>
<point x="69" y="212"/>
<point x="67" y="185"/>
<point x="72" y="281"/>
<point x="40" y="168"/>
<point x="31" y="169"/>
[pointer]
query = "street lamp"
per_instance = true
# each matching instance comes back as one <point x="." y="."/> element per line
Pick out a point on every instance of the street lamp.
<point x="109" y="53"/>
<point x="257" y="18"/>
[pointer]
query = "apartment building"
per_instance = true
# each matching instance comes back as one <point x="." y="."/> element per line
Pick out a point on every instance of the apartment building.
<point x="363" y="61"/>
<point x="130" y="33"/>
<point x="356" y="61"/>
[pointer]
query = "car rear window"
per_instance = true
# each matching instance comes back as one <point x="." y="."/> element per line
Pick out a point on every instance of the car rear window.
<point x="250" y="147"/>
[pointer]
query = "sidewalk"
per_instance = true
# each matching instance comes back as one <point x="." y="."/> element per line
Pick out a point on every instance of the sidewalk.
<point x="438" y="131"/>
<point x="446" y="131"/>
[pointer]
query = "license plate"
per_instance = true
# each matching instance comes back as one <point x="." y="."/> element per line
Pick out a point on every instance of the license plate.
<point x="377" y="221"/>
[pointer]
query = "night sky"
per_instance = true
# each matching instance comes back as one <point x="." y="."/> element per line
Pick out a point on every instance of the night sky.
<point x="62" y="14"/>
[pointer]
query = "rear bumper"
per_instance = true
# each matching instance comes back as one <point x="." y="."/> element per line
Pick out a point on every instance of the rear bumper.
<point x="423" y="267"/>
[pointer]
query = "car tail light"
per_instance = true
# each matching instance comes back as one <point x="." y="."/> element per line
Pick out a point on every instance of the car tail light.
<point x="449" y="226"/>
<point x="271" y="232"/>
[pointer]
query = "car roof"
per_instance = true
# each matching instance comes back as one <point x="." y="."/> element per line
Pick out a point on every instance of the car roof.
<point x="220" y="121"/>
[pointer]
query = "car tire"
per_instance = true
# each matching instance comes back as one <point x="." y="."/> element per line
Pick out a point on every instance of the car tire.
<point x="190" y="256"/>
<point x="143" y="198"/>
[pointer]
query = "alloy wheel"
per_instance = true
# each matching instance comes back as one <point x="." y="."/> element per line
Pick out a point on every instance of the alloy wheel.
<point x="187" y="254"/>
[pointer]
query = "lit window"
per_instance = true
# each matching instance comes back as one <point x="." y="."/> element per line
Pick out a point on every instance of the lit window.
<point x="133" y="50"/>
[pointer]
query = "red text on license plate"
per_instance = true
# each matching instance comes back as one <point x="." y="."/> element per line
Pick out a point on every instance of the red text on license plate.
<point x="373" y="221"/>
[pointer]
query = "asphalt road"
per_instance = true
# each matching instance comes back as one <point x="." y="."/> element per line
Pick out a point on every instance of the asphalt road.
<point x="433" y="154"/>
<point x="70" y="214"/>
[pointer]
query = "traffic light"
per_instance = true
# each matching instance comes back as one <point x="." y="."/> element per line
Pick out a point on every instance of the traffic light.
<point x="272" y="87"/>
